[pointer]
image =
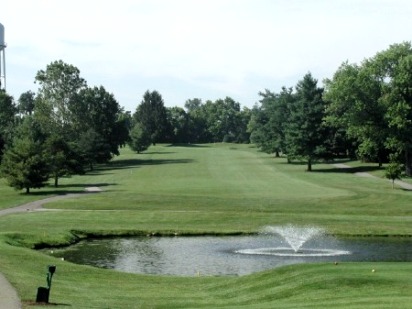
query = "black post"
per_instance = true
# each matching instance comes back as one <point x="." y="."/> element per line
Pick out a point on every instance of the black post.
<point x="42" y="292"/>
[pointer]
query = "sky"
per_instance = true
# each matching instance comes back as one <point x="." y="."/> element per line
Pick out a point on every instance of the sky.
<point x="185" y="49"/>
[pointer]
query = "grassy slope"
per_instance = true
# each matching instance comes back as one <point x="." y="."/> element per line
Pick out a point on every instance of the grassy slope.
<point x="219" y="189"/>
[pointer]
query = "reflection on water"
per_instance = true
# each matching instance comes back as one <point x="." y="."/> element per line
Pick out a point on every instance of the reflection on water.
<point x="188" y="256"/>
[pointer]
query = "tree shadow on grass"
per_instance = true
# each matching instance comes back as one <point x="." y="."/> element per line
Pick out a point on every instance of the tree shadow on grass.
<point x="156" y="152"/>
<point x="85" y="185"/>
<point x="189" y="145"/>
<point x="349" y="170"/>
<point x="65" y="189"/>
<point x="134" y="163"/>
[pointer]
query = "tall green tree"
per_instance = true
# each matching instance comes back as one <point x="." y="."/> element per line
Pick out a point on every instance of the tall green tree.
<point x="269" y="120"/>
<point x="55" y="106"/>
<point x="354" y="95"/>
<point x="25" y="163"/>
<point x="152" y="116"/>
<point x="394" y="69"/>
<point x="60" y="84"/>
<point x="8" y="111"/>
<point x="97" y="115"/>
<point x="305" y="132"/>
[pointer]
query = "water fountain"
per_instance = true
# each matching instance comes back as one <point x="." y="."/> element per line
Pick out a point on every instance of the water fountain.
<point x="295" y="237"/>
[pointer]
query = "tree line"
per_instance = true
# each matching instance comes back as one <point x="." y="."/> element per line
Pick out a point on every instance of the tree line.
<point x="68" y="127"/>
<point x="364" y="111"/>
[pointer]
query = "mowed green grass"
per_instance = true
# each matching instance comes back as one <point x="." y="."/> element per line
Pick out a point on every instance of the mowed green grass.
<point x="210" y="189"/>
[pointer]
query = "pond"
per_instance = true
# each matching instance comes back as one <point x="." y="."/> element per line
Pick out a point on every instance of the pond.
<point x="228" y="255"/>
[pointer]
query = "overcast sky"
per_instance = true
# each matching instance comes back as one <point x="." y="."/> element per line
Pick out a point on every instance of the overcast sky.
<point x="206" y="49"/>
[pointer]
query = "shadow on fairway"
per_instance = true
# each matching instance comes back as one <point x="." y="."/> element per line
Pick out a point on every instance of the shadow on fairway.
<point x="349" y="170"/>
<point x="156" y="152"/>
<point x="189" y="145"/>
<point x="130" y="163"/>
<point x="65" y="189"/>
<point x="82" y="186"/>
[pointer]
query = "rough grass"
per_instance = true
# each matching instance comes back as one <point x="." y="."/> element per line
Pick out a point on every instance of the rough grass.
<point x="203" y="190"/>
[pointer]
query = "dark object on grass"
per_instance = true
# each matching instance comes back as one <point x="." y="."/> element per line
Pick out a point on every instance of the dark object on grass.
<point x="42" y="292"/>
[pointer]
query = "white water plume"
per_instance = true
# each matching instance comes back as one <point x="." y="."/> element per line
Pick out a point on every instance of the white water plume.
<point x="293" y="235"/>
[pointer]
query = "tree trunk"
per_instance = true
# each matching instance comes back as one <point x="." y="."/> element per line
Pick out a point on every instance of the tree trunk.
<point x="309" y="165"/>
<point x="277" y="154"/>
<point x="27" y="190"/>
<point x="56" y="181"/>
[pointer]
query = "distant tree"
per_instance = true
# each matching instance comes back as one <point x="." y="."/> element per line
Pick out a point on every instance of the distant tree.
<point x="25" y="163"/>
<point x="243" y="136"/>
<point x="178" y="121"/>
<point x="139" y="139"/>
<point x="305" y="133"/>
<point x="26" y="102"/>
<point x="222" y="119"/>
<point x="152" y="117"/>
<point x="197" y="124"/>
<point x="193" y="104"/>
<point x="97" y="114"/>
<point x="269" y="120"/>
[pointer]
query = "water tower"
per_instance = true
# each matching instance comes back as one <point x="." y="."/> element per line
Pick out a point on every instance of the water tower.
<point x="2" y="59"/>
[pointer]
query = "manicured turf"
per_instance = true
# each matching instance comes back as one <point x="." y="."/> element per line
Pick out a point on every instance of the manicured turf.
<point x="210" y="189"/>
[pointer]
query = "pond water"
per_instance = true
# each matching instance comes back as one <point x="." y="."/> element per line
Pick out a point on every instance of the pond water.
<point x="228" y="256"/>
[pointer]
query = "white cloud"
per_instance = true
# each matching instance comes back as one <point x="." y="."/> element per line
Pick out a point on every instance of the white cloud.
<point x="201" y="48"/>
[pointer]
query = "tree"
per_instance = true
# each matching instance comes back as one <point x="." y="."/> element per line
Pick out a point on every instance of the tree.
<point x="26" y="102"/>
<point x="139" y="139"/>
<point x="151" y="115"/>
<point x="97" y="114"/>
<point x="269" y="120"/>
<point x="8" y="112"/>
<point x="60" y="84"/>
<point x="92" y="148"/>
<point x="354" y="108"/>
<point x="374" y="103"/>
<point x="178" y="121"/>
<point x="393" y="171"/>
<point x="222" y="119"/>
<point x="394" y="68"/>
<point x="197" y="126"/>
<point x="55" y="111"/>
<point x="25" y="162"/>
<point x="62" y="158"/>
<point x="305" y="133"/>
<point x="243" y="136"/>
